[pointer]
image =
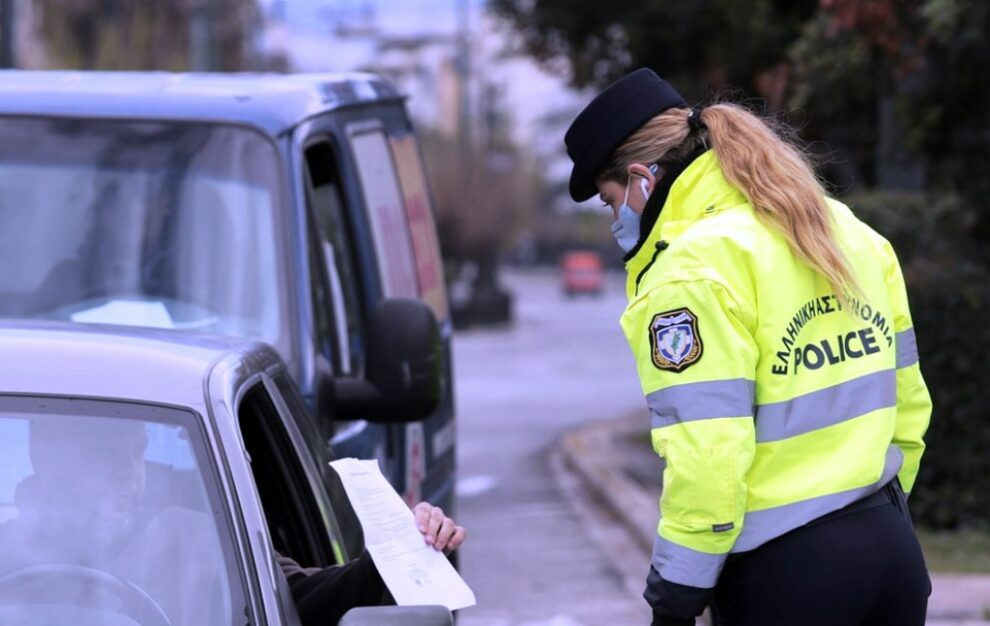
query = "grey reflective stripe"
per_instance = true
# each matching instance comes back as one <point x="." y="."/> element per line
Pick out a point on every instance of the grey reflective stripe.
<point x="760" y="527"/>
<point x="685" y="566"/>
<point x="701" y="401"/>
<point x="907" y="348"/>
<point x="826" y="407"/>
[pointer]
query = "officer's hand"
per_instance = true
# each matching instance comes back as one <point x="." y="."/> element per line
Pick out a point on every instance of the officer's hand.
<point x="439" y="530"/>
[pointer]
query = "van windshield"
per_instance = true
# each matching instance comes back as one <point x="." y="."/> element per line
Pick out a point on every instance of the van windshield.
<point x="110" y="514"/>
<point x="168" y="225"/>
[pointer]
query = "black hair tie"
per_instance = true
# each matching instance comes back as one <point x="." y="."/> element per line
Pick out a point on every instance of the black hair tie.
<point x="694" y="121"/>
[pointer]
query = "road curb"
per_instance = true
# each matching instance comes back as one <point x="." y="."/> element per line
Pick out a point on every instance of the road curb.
<point x="591" y="453"/>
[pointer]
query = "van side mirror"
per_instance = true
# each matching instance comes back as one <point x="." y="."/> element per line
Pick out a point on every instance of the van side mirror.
<point x="398" y="616"/>
<point x="404" y="372"/>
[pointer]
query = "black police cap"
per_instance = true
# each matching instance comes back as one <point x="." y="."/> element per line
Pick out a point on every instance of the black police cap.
<point x="609" y="120"/>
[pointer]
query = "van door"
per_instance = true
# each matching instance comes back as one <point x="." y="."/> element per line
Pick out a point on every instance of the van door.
<point x="397" y="198"/>
<point x="338" y="298"/>
<point x="372" y="236"/>
<point x="393" y="245"/>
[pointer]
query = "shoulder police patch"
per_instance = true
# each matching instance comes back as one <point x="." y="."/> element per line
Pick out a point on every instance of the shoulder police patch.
<point x="675" y="340"/>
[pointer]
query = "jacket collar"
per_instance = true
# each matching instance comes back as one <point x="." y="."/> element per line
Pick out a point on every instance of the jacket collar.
<point x="699" y="191"/>
<point x="655" y="203"/>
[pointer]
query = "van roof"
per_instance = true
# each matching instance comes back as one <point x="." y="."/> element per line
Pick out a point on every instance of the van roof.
<point x="117" y="362"/>
<point x="272" y="102"/>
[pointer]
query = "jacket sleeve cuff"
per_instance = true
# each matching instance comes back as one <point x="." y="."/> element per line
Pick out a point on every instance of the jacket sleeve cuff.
<point x="674" y="604"/>
<point x="664" y="620"/>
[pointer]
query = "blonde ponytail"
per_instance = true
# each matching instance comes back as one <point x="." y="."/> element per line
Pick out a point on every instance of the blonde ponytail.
<point x="781" y="185"/>
<point x="775" y="177"/>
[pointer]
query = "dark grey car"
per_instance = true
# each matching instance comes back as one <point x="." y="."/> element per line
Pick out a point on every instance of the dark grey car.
<point x="147" y="478"/>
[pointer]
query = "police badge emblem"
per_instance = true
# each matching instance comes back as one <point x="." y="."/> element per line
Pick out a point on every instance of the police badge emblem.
<point x="675" y="340"/>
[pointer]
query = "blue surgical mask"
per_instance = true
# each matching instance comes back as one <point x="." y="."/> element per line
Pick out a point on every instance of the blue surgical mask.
<point x="626" y="227"/>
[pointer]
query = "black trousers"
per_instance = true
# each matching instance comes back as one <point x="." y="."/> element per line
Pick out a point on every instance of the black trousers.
<point x="860" y="567"/>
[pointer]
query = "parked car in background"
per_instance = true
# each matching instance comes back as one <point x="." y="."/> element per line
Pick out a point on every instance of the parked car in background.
<point x="582" y="272"/>
<point x="147" y="478"/>
<point x="284" y="209"/>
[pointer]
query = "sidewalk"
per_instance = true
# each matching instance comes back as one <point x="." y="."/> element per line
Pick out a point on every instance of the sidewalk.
<point x="610" y="462"/>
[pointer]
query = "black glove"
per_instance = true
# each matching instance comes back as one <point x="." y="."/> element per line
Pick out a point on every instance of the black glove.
<point x="667" y="620"/>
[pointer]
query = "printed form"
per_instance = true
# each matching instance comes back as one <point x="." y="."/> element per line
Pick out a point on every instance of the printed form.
<point x="413" y="571"/>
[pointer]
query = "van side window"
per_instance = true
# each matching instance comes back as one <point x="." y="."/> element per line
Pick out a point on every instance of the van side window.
<point x="386" y="209"/>
<point x="290" y="508"/>
<point x="422" y="224"/>
<point x="338" y="307"/>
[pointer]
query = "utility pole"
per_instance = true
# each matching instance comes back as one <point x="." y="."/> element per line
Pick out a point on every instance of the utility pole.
<point x="464" y="77"/>
<point x="201" y="58"/>
<point x="7" y="29"/>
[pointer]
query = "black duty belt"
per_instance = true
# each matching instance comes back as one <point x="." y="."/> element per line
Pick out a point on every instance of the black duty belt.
<point x="891" y="493"/>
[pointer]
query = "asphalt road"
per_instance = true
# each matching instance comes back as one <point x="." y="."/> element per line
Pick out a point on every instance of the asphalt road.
<point x="532" y="557"/>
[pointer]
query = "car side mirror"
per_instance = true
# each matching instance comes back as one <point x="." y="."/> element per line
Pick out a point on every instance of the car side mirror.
<point x="398" y="616"/>
<point x="404" y="368"/>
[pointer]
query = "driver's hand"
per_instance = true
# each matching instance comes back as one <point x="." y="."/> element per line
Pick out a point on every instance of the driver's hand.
<point x="439" y="530"/>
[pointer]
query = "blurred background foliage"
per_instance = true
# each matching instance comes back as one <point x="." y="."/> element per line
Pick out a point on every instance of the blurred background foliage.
<point x="140" y="35"/>
<point x="891" y="97"/>
<point x="949" y="288"/>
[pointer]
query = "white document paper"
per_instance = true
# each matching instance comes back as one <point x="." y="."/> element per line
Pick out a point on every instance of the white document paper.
<point x="413" y="571"/>
<point x="127" y="313"/>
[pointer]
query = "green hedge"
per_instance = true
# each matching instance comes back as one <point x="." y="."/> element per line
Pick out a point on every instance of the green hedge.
<point x="949" y="290"/>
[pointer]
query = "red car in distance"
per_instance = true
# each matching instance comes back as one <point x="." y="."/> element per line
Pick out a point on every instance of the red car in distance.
<point x="582" y="271"/>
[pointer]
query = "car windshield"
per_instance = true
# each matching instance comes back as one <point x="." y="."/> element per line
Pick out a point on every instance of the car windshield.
<point x="168" y="225"/>
<point x="109" y="514"/>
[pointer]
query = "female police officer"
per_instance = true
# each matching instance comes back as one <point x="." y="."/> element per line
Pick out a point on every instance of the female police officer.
<point x="774" y="344"/>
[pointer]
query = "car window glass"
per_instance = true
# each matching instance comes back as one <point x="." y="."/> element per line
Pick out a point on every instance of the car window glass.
<point x="292" y="513"/>
<point x="161" y="224"/>
<point x="422" y="225"/>
<point x="385" y="206"/>
<point x="339" y="301"/>
<point x="117" y="506"/>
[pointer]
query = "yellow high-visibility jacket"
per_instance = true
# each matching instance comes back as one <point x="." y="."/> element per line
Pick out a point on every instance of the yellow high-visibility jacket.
<point x="772" y="402"/>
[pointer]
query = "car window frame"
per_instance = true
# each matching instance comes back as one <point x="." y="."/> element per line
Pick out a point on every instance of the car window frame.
<point x="311" y="466"/>
<point x="343" y="518"/>
<point x="305" y="498"/>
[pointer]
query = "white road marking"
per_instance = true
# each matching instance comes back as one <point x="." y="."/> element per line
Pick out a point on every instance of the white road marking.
<point x="475" y="485"/>
<point x="556" y="620"/>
